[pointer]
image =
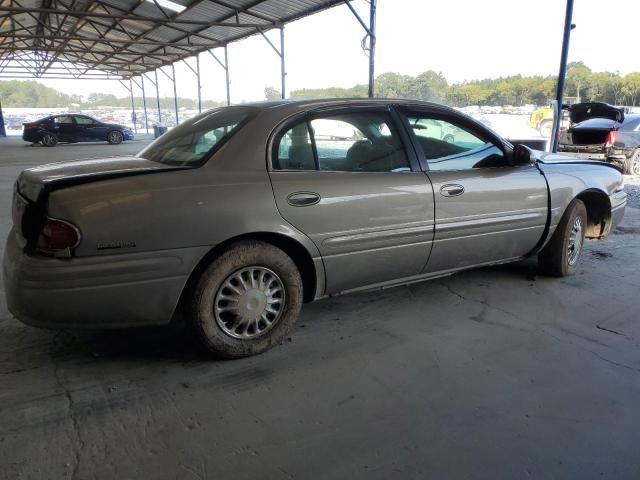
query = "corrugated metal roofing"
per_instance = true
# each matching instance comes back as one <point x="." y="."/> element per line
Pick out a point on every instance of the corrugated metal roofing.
<point x="123" y="38"/>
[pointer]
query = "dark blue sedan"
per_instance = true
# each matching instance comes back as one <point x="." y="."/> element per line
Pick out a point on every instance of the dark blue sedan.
<point x="74" y="128"/>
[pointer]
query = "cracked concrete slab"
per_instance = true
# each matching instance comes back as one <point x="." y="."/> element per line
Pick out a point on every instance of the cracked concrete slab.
<point x="492" y="373"/>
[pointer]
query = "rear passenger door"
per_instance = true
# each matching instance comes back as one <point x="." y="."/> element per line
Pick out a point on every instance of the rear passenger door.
<point x="346" y="180"/>
<point x="486" y="210"/>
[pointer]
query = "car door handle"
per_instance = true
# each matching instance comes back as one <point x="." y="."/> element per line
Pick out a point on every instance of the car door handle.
<point x="451" y="190"/>
<point x="303" y="199"/>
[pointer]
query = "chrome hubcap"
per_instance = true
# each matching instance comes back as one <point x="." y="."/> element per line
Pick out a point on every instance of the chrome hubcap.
<point x="575" y="242"/>
<point x="48" y="139"/>
<point x="249" y="302"/>
<point x="114" y="136"/>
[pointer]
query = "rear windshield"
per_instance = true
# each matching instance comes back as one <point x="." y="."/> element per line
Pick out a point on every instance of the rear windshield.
<point x="192" y="143"/>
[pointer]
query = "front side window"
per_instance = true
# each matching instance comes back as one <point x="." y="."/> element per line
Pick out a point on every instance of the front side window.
<point x="192" y="142"/>
<point x="447" y="146"/>
<point x="350" y="142"/>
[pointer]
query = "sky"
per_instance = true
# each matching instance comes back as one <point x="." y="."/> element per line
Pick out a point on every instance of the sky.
<point x="462" y="39"/>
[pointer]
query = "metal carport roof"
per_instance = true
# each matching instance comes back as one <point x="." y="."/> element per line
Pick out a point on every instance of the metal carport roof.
<point x="120" y="39"/>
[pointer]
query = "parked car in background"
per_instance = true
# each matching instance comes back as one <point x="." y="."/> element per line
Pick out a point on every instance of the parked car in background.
<point x="239" y="215"/>
<point x="72" y="128"/>
<point x="603" y="132"/>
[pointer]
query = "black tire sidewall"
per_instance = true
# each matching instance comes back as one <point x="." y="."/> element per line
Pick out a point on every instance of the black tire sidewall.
<point x="631" y="163"/>
<point x="54" y="141"/>
<point x="554" y="258"/>
<point x="577" y="210"/>
<point x="244" y="254"/>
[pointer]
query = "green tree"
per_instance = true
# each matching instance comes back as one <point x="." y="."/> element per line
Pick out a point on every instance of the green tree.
<point x="271" y="93"/>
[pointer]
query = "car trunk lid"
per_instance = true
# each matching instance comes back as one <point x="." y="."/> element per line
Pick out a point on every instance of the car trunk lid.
<point x="579" y="112"/>
<point x="34" y="182"/>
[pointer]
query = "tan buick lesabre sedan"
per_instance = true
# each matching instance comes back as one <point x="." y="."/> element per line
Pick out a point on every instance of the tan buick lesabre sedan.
<point x="241" y="214"/>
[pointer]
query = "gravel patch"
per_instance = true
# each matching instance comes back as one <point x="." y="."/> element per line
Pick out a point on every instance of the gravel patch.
<point x="632" y="187"/>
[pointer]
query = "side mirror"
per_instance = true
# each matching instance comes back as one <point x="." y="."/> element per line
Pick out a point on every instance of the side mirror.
<point x="522" y="155"/>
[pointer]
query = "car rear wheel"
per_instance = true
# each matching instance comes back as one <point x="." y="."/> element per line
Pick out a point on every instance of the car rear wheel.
<point x="49" y="140"/>
<point x="632" y="164"/>
<point x="560" y="256"/>
<point x="247" y="300"/>
<point x="115" y="137"/>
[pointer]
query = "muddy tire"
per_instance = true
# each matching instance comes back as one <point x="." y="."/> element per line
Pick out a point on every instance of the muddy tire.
<point x="545" y="128"/>
<point x="247" y="300"/>
<point x="49" y="140"/>
<point x="115" y="137"/>
<point x="561" y="255"/>
<point x="632" y="164"/>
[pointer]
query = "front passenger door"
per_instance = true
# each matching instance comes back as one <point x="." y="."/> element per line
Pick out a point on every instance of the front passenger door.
<point x="486" y="211"/>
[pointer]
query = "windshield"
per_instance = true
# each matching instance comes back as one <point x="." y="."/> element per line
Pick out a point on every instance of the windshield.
<point x="192" y="142"/>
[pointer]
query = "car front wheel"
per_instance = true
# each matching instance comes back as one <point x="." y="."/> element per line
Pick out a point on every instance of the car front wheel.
<point x="247" y="300"/>
<point x="49" y="140"/>
<point x="115" y="137"/>
<point x="560" y="256"/>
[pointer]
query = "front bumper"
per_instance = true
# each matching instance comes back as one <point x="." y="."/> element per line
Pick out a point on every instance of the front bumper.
<point x="128" y="135"/>
<point x="618" y="204"/>
<point x="107" y="291"/>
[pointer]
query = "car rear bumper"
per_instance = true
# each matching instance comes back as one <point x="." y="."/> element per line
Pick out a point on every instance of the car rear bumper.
<point x="32" y="136"/>
<point x="107" y="291"/>
<point x="597" y="152"/>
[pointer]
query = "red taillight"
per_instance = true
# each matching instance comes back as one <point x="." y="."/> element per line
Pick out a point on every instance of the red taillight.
<point x="612" y="138"/>
<point x="57" y="235"/>
<point x="30" y="126"/>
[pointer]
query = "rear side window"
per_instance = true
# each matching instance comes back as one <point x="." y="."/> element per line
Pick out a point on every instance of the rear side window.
<point x="192" y="142"/>
<point x="295" y="151"/>
<point x="351" y="142"/>
<point x="63" y="119"/>
<point x="85" y="121"/>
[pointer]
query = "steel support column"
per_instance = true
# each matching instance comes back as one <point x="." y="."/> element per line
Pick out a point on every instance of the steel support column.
<point x="225" y="66"/>
<point x="280" y="53"/>
<point x="562" y="74"/>
<point x="175" y="93"/>
<point x="172" y="77"/>
<point x="283" y="72"/>
<point x="199" y="86"/>
<point x="158" y="97"/>
<point x="133" y="108"/>
<point x="226" y="73"/>
<point x="144" y="105"/>
<point x="371" y="34"/>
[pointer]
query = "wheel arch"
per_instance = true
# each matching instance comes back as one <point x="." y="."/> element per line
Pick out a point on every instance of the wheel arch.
<point x="598" y="208"/>
<point x="296" y="251"/>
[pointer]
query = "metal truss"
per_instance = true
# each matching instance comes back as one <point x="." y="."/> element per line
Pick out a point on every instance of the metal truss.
<point x="120" y="39"/>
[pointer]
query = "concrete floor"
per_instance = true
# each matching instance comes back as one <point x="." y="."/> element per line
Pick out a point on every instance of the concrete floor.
<point x="490" y="374"/>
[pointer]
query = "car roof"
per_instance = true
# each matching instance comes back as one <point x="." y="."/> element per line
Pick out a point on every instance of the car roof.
<point x="336" y="102"/>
